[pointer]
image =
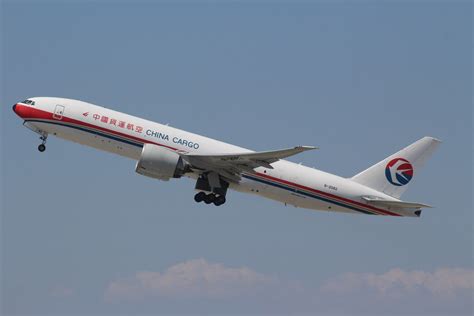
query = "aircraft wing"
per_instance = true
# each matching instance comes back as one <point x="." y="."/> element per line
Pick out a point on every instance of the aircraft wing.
<point x="401" y="204"/>
<point x="231" y="166"/>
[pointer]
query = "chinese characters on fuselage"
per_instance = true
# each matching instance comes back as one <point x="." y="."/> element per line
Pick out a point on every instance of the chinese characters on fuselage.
<point x="139" y="129"/>
<point x="121" y="124"/>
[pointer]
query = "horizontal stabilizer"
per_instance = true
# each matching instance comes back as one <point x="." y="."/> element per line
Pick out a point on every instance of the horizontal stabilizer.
<point x="399" y="204"/>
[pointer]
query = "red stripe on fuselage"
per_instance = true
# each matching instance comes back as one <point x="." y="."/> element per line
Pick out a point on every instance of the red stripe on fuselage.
<point x="335" y="197"/>
<point x="27" y="112"/>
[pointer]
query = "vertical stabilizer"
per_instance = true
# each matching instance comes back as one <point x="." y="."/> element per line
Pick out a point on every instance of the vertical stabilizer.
<point x="393" y="174"/>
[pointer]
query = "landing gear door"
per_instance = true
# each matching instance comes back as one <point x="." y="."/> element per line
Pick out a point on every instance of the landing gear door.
<point x="58" y="112"/>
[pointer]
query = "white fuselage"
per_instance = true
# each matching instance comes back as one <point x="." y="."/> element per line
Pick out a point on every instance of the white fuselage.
<point x="125" y="135"/>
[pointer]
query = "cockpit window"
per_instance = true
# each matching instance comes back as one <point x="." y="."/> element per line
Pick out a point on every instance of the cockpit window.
<point x="30" y="102"/>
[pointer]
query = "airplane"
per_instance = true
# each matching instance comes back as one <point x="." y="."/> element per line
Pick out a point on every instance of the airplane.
<point x="163" y="152"/>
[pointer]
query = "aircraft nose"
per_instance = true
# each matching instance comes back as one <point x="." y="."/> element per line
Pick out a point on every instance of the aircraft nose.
<point x="18" y="109"/>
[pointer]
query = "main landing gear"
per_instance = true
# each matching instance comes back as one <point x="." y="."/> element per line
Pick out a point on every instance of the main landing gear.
<point x="212" y="189"/>
<point x="210" y="198"/>
<point x="42" y="146"/>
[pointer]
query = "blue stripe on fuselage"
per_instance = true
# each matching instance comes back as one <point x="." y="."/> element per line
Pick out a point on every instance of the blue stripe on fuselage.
<point x="90" y="131"/>
<point x="281" y="186"/>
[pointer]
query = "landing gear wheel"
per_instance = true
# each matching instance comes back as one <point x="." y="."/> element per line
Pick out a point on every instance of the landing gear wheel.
<point x="199" y="197"/>
<point x="208" y="199"/>
<point x="42" y="146"/>
<point x="219" y="200"/>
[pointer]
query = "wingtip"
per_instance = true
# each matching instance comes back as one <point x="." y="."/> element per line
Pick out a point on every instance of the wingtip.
<point x="307" y="147"/>
<point x="434" y="139"/>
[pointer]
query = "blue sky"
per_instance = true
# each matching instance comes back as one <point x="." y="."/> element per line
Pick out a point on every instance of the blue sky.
<point x="83" y="234"/>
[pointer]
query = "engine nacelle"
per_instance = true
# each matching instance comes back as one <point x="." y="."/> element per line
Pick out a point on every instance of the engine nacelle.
<point x="160" y="163"/>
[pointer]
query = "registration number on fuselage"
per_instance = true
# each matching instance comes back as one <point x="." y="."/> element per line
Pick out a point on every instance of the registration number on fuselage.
<point x="330" y="187"/>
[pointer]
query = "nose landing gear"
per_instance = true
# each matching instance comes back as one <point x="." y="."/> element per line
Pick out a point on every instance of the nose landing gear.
<point x="42" y="146"/>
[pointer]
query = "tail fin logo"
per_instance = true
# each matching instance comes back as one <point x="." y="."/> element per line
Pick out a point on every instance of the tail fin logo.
<point x="399" y="171"/>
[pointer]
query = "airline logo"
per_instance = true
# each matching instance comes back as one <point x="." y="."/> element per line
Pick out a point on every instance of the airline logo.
<point x="399" y="171"/>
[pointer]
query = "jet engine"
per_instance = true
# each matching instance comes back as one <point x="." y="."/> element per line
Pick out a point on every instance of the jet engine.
<point x="160" y="163"/>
